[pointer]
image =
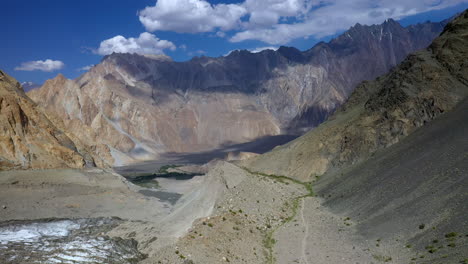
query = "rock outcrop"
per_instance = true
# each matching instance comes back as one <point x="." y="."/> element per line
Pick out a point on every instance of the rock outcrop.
<point x="28" y="139"/>
<point x="142" y="106"/>
<point x="380" y="113"/>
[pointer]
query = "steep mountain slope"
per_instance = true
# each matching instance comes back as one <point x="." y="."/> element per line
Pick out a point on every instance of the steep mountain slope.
<point x="28" y="139"/>
<point x="365" y="52"/>
<point x="394" y="161"/>
<point x="380" y="113"/>
<point x="141" y="106"/>
<point x="421" y="180"/>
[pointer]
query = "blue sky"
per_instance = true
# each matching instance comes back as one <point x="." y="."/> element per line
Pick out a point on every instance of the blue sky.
<point x="43" y="38"/>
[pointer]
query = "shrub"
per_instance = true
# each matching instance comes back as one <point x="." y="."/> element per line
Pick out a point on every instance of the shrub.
<point x="451" y="234"/>
<point x="382" y="258"/>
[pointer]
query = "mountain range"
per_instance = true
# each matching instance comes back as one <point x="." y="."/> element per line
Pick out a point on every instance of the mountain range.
<point x="393" y="158"/>
<point x="142" y="106"/>
<point x="379" y="113"/>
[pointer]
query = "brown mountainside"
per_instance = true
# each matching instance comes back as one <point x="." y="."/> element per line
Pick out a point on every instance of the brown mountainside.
<point x="143" y="106"/>
<point x="29" y="140"/>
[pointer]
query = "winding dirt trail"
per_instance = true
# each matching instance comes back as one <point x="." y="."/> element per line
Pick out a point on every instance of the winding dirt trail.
<point x="306" y="233"/>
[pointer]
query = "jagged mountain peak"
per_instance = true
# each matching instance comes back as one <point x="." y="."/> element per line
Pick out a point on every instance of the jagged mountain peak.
<point x="145" y="106"/>
<point x="390" y="27"/>
<point x="57" y="81"/>
<point x="380" y="113"/>
<point x="30" y="140"/>
<point x="239" y="53"/>
<point x="357" y="35"/>
<point x="117" y="58"/>
<point x="9" y="83"/>
<point x="391" y="138"/>
<point x="60" y="77"/>
<point x="391" y="21"/>
<point x="388" y="24"/>
<point x="291" y="54"/>
<point x="159" y="57"/>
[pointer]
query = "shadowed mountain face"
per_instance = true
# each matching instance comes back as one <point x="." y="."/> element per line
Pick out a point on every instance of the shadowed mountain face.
<point x="421" y="180"/>
<point x="380" y="113"/>
<point x="142" y="106"/>
<point x="28" y="139"/>
<point x="394" y="157"/>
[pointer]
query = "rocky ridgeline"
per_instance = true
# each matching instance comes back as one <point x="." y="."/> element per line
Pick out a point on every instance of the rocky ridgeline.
<point x="380" y="113"/>
<point x="29" y="140"/>
<point x="139" y="106"/>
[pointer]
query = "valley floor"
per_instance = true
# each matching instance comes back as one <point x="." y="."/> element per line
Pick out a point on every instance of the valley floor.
<point x="227" y="215"/>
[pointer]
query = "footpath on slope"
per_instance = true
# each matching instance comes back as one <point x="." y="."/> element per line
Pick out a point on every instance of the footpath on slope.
<point x="313" y="234"/>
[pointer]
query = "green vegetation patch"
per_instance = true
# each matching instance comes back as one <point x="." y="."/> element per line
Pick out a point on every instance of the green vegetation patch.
<point x="382" y="258"/>
<point x="269" y="241"/>
<point x="451" y="234"/>
<point x="285" y="180"/>
<point x="148" y="180"/>
<point x="165" y="169"/>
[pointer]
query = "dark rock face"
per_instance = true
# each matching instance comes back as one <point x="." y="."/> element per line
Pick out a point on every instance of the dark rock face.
<point x="365" y="52"/>
<point x="141" y="106"/>
<point x="380" y="113"/>
<point x="424" y="177"/>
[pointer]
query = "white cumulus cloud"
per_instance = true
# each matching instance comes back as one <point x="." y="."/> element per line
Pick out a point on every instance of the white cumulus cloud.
<point x="146" y="43"/>
<point x="266" y="13"/>
<point x="191" y="16"/>
<point x="278" y="21"/>
<point x="40" y="65"/>
<point x="328" y="17"/>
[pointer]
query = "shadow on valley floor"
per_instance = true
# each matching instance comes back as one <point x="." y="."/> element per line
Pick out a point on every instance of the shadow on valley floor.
<point x="260" y="146"/>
